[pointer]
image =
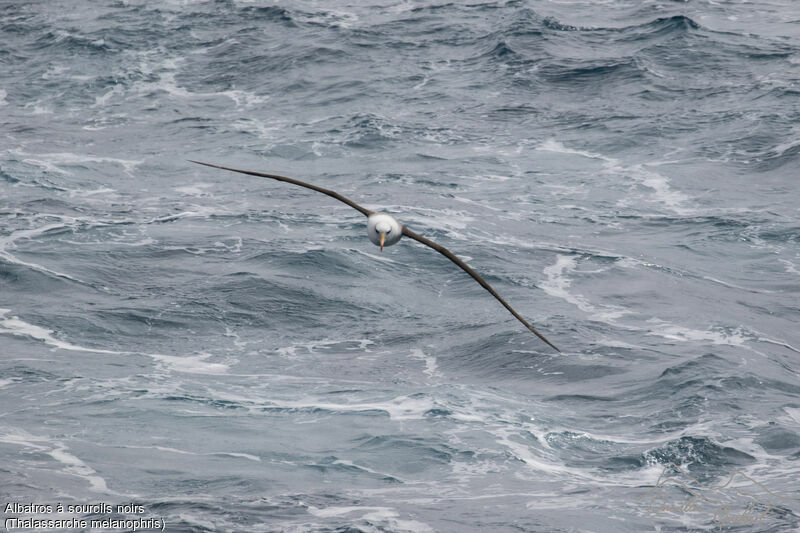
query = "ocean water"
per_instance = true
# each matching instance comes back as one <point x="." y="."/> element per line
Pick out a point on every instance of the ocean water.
<point x="220" y="352"/>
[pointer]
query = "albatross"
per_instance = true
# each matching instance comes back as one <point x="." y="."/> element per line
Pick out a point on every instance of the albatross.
<point x="385" y="230"/>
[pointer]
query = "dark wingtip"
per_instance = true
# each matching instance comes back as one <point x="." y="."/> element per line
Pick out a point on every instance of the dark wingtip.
<point x="201" y="163"/>
<point x="553" y="346"/>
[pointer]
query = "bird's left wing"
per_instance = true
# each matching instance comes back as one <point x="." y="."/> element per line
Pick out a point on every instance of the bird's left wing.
<point x="466" y="268"/>
<point x="332" y="194"/>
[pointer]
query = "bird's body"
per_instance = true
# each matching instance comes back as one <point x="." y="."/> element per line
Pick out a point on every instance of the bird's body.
<point x="385" y="230"/>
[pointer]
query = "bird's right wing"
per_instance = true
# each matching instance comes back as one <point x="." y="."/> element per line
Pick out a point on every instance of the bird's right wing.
<point x="466" y="268"/>
<point x="332" y="194"/>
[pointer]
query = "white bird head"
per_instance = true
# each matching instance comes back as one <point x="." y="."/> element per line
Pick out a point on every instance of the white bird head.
<point x="383" y="230"/>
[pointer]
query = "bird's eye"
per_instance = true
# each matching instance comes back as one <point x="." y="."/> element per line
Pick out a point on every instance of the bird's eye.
<point x="388" y="231"/>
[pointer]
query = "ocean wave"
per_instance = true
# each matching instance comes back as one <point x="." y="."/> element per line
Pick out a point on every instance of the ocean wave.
<point x="232" y="352"/>
<point x="644" y="31"/>
<point x="700" y="454"/>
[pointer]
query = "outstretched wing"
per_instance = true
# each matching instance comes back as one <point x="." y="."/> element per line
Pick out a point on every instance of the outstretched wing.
<point x="366" y="212"/>
<point x="466" y="268"/>
<point x="332" y="194"/>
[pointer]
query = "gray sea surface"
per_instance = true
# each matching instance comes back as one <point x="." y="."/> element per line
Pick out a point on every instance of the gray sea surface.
<point x="216" y="352"/>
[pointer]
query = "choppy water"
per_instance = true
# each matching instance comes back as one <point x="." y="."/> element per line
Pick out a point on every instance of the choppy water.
<point x="232" y="354"/>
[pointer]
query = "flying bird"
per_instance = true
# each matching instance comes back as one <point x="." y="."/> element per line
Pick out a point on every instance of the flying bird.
<point x="385" y="230"/>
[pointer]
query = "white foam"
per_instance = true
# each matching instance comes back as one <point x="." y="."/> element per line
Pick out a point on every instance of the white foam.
<point x="331" y="18"/>
<point x="200" y="212"/>
<point x="791" y="268"/>
<point x="551" y="145"/>
<point x="524" y="453"/>
<point x="9" y="240"/>
<point x="242" y="455"/>
<point x="253" y="125"/>
<point x="793" y="412"/>
<point x="3" y="95"/>
<point x="661" y="185"/>
<point x="379" y="515"/>
<point x="50" y="161"/>
<point x="481" y="205"/>
<point x="430" y="362"/>
<point x="291" y="351"/>
<point x="23" y="438"/>
<point x="558" y="284"/>
<point x="58" y="451"/>
<point x="782" y="148"/>
<point x="190" y="364"/>
<point x="166" y="82"/>
<point x="500" y="150"/>
<point x="15" y="326"/>
<point x="614" y="343"/>
<point x="237" y="341"/>
<point x="627" y="262"/>
<point x="196" y="189"/>
<point x="103" y="100"/>
<point x="734" y="286"/>
<point x="658" y="183"/>
<point x="378" y="257"/>
<point x="421" y="84"/>
<point x="779" y="343"/>
<point x="399" y="408"/>
<point x="54" y="72"/>
<point x="235" y="248"/>
<point x="33" y="266"/>
<point x="328" y="512"/>
<point x="351" y="464"/>
<point x="78" y="468"/>
<point x="47" y="166"/>
<point x="39" y="109"/>
<point x="244" y="97"/>
<point x="86" y="193"/>
<point x="184" y="452"/>
<point x="680" y="333"/>
<point x="93" y="128"/>
<point x="463" y="416"/>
